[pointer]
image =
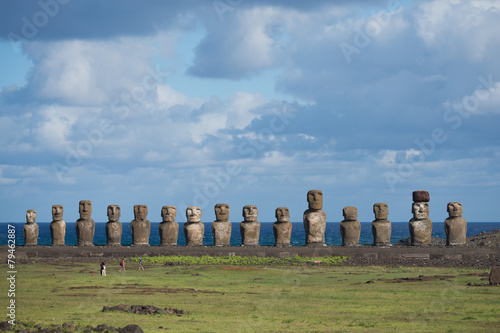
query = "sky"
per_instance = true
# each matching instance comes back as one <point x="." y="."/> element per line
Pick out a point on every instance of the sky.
<point x="194" y="103"/>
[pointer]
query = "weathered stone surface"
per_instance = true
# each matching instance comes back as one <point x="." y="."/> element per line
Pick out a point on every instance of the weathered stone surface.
<point x="421" y="196"/>
<point x="455" y="225"/>
<point x="169" y="228"/>
<point x="315" y="219"/>
<point x="57" y="226"/>
<point x="495" y="275"/>
<point x="420" y="225"/>
<point x="350" y="228"/>
<point x="140" y="227"/>
<point x="221" y="227"/>
<point x="250" y="227"/>
<point x="85" y="225"/>
<point x="114" y="227"/>
<point x="194" y="230"/>
<point x="381" y="227"/>
<point x="30" y="229"/>
<point x="282" y="228"/>
<point x="420" y="231"/>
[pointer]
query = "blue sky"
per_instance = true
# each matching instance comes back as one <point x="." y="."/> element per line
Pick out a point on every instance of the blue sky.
<point x="249" y="102"/>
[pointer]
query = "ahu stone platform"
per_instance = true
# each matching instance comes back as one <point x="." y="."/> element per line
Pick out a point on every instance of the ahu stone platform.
<point x="479" y="257"/>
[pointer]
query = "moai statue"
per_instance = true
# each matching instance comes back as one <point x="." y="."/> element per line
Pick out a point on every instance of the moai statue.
<point x="381" y="226"/>
<point x="315" y="219"/>
<point x="57" y="226"/>
<point x="420" y="224"/>
<point x="114" y="226"/>
<point x="350" y="228"/>
<point x="30" y="229"/>
<point x="85" y="225"/>
<point x="250" y="227"/>
<point x="455" y="226"/>
<point x="140" y="227"/>
<point x="169" y="229"/>
<point x="221" y="227"/>
<point x="282" y="228"/>
<point x="194" y="229"/>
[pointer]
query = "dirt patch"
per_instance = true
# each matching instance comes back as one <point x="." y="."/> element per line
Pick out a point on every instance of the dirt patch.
<point x="165" y="290"/>
<point x="144" y="309"/>
<point x="420" y="278"/>
<point x="87" y="287"/>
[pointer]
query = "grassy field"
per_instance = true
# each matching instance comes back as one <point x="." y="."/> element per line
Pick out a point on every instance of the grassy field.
<point x="261" y="299"/>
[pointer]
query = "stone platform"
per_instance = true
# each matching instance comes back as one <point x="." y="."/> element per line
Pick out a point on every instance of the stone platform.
<point x="468" y="256"/>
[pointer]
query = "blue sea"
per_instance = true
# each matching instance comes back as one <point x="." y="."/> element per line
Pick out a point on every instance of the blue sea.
<point x="332" y="237"/>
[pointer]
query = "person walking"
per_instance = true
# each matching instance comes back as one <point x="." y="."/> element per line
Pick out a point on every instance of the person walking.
<point x="140" y="264"/>
<point x="103" y="269"/>
<point x="122" y="265"/>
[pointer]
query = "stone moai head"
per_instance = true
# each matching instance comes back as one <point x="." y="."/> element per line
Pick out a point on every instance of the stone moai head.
<point x="381" y="211"/>
<point x="420" y="210"/>
<point x="221" y="212"/>
<point x="193" y="214"/>
<point x="250" y="213"/>
<point x="455" y="209"/>
<point x="114" y="213"/>
<point x="420" y="207"/>
<point x="140" y="212"/>
<point x="30" y="216"/>
<point x="168" y="213"/>
<point x="57" y="212"/>
<point x="315" y="199"/>
<point x="85" y="209"/>
<point x="282" y="214"/>
<point x="350" y="213"/>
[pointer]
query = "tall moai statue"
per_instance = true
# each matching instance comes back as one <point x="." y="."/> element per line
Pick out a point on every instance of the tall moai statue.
<point x="57" y="226"/>
<point x="455" y="225"/>
<point x="381" y="226"/>
<point x="140" y="227"/>
<point x="315" y="219"/>
<point x="30" y="229"/>
<point x="282" y="228"/>
<point x="85" y="225"/>
<point x="221" y="227"/>
<point x="350" y="228"/>
<point x="194" y="229"/>
<point x="169" y="229"/>
<point x="420" y="224"/>
<point x="114" y="227"/>
<point x="250" y="227"/>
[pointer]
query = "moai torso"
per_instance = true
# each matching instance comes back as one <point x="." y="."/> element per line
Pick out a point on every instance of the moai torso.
<point x="315" y="219"/>
<point x="381" y="227"/>
<point x="221" y="227"/>
<point x="140" y="227"/>
<point x="420" y="224"/>
<point x="30" y="229"/>
<point x="57" y="226"/>
<point x="282" y="228"/>
<point x="455" y="225"/>
<point x="250" y="227"/>
<point x="350" y="228"/>
<point x="114" y="227"/>
<point x="169" y="229"/>
<point x="194" y="229"/>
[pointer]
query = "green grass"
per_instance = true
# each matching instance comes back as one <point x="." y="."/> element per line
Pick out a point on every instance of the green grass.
<point x="222" y="298"/>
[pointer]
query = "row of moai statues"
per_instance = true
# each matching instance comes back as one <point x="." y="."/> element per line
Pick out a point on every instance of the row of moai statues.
<point x="314" y="224"/>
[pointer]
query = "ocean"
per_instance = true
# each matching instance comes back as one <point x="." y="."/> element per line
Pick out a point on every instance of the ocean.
<point x="332" y="235"/>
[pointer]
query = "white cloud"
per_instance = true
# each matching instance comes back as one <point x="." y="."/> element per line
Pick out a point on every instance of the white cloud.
<point x="458" y="28"/>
